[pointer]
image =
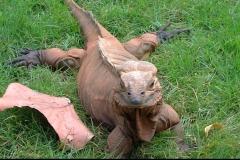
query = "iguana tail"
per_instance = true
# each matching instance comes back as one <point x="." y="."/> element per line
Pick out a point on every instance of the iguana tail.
<point x="88" y="25"/>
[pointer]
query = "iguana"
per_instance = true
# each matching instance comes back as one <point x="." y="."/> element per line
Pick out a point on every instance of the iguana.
<point x="116" y="87"/>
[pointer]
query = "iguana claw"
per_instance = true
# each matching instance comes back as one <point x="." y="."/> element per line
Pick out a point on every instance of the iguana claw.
<point x="26" y="51"/>
<point x="185" y="148"/>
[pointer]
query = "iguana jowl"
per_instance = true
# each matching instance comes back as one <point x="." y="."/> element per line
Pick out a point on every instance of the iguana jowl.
<point x="116" y="88"/>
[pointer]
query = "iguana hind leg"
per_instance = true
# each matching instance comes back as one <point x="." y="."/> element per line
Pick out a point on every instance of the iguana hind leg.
<point x="142" y="46"/>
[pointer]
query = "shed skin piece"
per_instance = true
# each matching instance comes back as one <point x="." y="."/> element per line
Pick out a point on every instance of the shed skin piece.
<point x="116" y="88"/>
<point x="59" y="112"/>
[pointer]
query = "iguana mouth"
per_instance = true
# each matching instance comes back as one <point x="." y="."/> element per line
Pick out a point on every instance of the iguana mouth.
<point x="151" y="101"/>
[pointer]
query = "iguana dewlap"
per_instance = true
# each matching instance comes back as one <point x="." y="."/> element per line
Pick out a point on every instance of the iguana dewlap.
<point x="116" y="88"/>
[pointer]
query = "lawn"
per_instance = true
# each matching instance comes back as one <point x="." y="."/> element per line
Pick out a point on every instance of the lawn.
<point x="200" y="73"/>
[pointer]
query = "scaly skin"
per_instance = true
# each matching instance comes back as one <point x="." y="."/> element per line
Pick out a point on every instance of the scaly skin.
<point x="116" y="88"/>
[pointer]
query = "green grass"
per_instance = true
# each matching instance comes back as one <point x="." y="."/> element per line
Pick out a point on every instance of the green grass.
<point x="200" y="73"/>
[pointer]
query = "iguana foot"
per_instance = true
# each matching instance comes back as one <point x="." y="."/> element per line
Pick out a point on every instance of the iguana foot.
<point x="30" y="58"/>
<point x="183" y="147"/>
<point x="164" y="35"/>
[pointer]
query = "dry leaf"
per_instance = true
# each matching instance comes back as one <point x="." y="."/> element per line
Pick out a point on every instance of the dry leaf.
<point x="215" y="125"/>
<point x="59" y="112"/>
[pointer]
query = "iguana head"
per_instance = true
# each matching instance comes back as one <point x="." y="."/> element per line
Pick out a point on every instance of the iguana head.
<point x="138" y="85"/>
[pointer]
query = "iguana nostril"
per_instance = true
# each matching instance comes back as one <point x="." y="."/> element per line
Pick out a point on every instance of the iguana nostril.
<point x="129" y="93"/>
<point x="142" y="93"/>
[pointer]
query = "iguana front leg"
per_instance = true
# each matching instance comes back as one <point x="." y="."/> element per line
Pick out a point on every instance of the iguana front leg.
<point x="119" y="143"/>
<point x="54" y="57"/>
<point x="142" y="46"/>
<point x="168" y="118"/>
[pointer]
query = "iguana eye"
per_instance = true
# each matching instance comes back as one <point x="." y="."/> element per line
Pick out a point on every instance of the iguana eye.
<point x="151" y="85"/>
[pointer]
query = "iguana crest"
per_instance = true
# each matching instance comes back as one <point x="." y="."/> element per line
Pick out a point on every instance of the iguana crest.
<point x="113" y="56"/>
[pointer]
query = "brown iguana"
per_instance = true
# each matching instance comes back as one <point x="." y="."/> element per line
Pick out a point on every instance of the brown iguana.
<point x="116" y="87"/>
